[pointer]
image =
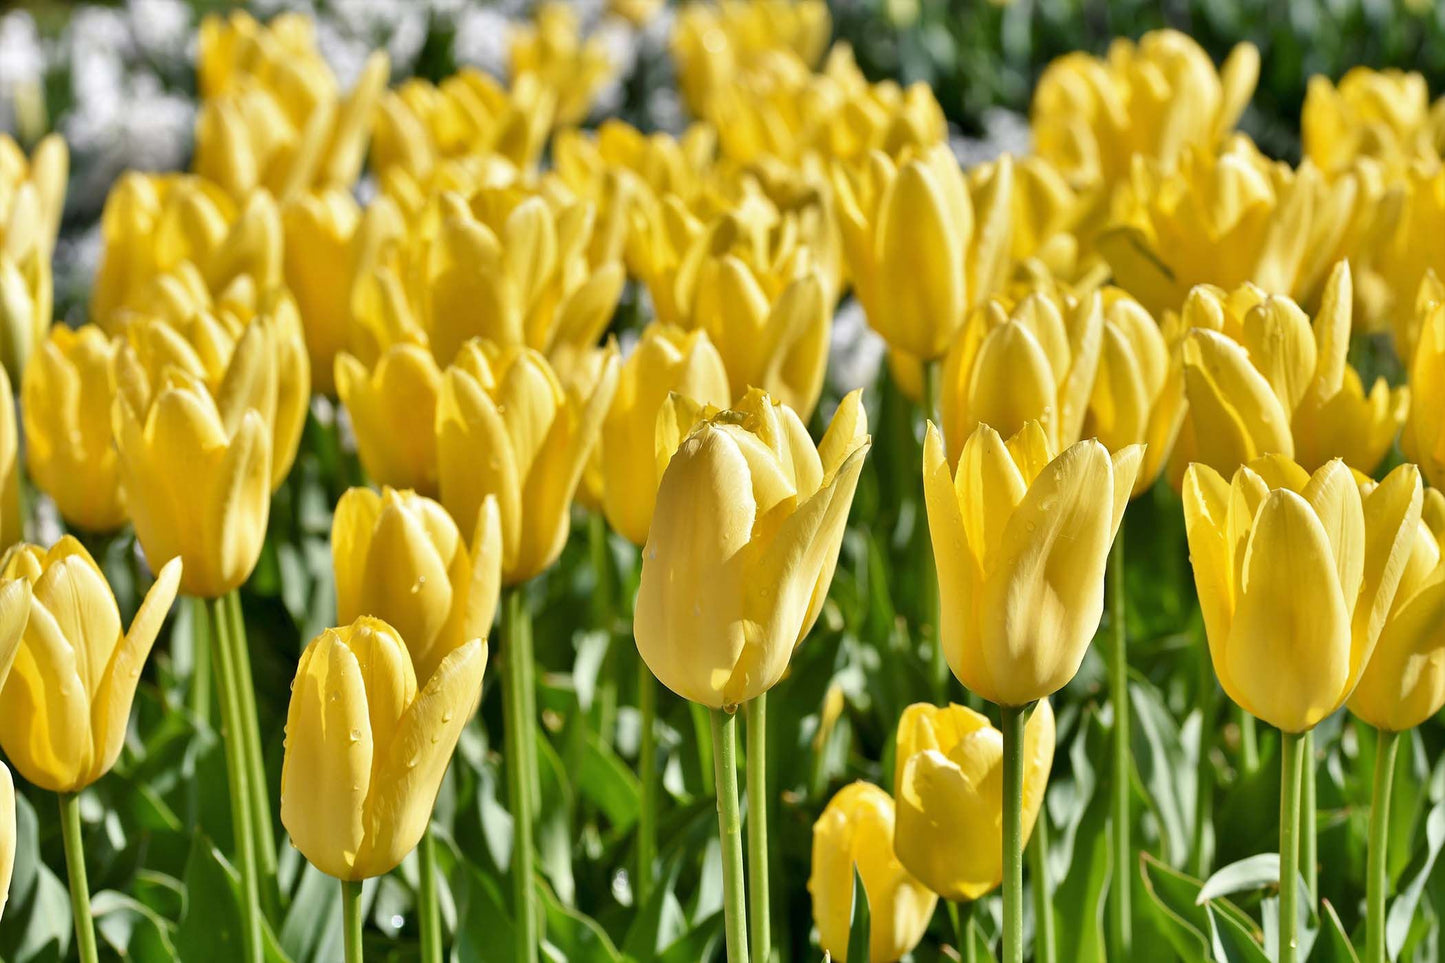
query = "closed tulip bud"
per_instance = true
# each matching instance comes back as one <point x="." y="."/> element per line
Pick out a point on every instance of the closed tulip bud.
<point x="399" y="557"/>
<point x="1423" y="439"/>
<point x="1034" y="359"/>
<point x="666" y="360"/>
<point x="366" y="746"/>
<point x="12" y="523"/>
<point x="921" y="249"/>
<point x="1296" y="576"/>
<point x="64" y="708"/>
<point x="949" y="766"/>
<point x="321" y="254"/>
<point x="855" y="834"/>
<point x="66" y="397"/>
<point x="1404" y="681"/>
<point x="1021" y="538"/>
<point x="391" y="406"/>
<point x="744" y="540"/>
<point x="534" y="439"/>
<point x="197" y="481"/>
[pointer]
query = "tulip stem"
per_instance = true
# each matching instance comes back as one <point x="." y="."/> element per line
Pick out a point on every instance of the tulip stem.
<point x="75" y="869"/>
<point x="351" y="919"/>
<point x="757" y="763"/>
<point x="1289" y="825"/>
<point x="1013" y="833"/>
<point x="1120" y="916"/>
<point x="261" y="826"/>
<point x="1309" y="823"/>
<point x="521" y="753"/>
<point x="200" y="694"/>
<point x="1248" y="741"/>
<point x="236" y="769"/>
<point x="701" y="728"/>
<point x="1204" y="795"/>
<point x="1045" y="946"/>
<point x="1378" y="883"/>
<point x="647" y="774"/>
<point x="730" y="832"/>
<point x="428" y="908"/>
<point x="938" y="663"/>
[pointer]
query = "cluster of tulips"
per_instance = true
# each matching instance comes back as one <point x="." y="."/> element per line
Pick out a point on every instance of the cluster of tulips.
<point x="1144" y="296"/>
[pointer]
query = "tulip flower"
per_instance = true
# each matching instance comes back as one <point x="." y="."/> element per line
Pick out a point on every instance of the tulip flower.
<point x="15" y="602"/>
<point x="724" y="599"/>
<point x="66" y="397"/>
<point x="855" y="834"/>
<point x="32" y="193"/>
<point x="552" y="49"/>
<point x="197" y="481"/>
<point x="949" y="793"/>
<point x="509" y="404"/>
<point x="366" y="747"/>
<point x="666" y="360"/>
<point x="1409" y="255"/>
<point x="12" y="523"/>
<point x="399" y="557"/>
<point x="921" y="249"/>
<point x="1030" y="359"/>
<point x="68" y="698"/>
<point x="1380" y="114"/>
<point x="387" y="404"/>
<point x="712" y="44"/>
<point x="321" y="241"/>
<point x="1423" y="439"/>
<point x="1020" y="538"/>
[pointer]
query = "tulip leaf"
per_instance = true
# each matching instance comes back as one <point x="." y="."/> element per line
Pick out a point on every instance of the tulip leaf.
<point x="484" y="925"/>
<point x="1250" y="873"/>
<point x="1403" y="910"/>
<point x="1234" y="940"/>
<point x="211" y="926"/>
<point x="311" y="931"/>
<point x="1333" y="944"/>
<point x="576" y="935"/>
<point x="1082" y="846"/>
<point x="37" y="923"/>
<point x="133" y="930"/>
<point x="858" y="921"/>
<point x="1167" y="767"/>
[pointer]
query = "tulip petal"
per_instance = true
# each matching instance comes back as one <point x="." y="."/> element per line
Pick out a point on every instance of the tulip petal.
<point x="1403" y="684"/>
<point x="351" y="526"/>
<point x="1236" y="414"/>
<point x="486" y="581"/>
<point x="15" y="601"/>
<point x="1392" y="516"/>
<point x="1335" y="496"/>
<point x="959" y="568"/>
<point x="45" y="709"/>
<point x="1206" y="515"/>
<point x="468" y="424"/>
<point x="919" y="254"/>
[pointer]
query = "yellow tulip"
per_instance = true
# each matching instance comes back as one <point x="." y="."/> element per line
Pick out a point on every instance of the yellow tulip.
<point x="65" y="399"/>
<point x="1411" y="254"/>
<point x="1139" y="392"/>
<point x="64" y="708"/>
<point x="1260" y="381"/>
<point x="949" y="791"/>
<point x="1296" y="576"/>
<point x="855" y="834"/>
<point x="15" y="601"/>
<point x="196" y="479"/>
<point x="506" y="427"/>
<point x="552" y="49"/>
<point x="392" y="407"/>
<point x="32" y="194"/>
<point x="321" y="241"/>
<point x="921" y="248"/>
<point x="744" y="540"/>
<point x="666" y="360"/>
<point x="1030" y="358"/>
<point x="1020" y="538"/>
<point x="713" y="44"/>
<point x="1404" y="681"/>
<point x="12" y="523"/>
<point x="1423" y="439"/>
<point x="399" y="557"/>
<point x="1380" y="114"/>
<point x="366" y="747"/>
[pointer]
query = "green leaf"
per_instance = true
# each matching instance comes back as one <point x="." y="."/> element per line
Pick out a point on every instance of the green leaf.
<point x="1167" y="768"/>
<point x="858" y="921"/>
<point x="1333" y="944"/>
<point x="1250" y="873"/>
<point x="1402" y="910"/>
<point x="132" y="929"/>
<point x="311" y="932"/>
<point x="211" y="927"/>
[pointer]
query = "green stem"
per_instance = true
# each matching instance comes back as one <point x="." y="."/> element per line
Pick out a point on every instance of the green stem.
<point x="1013" y="834"/>
<point x="1309" y="823"/>
<point x="1378" y="882"/>
<point x="351" y="919"/>
<point x="938" y="663"/>
<point x="1289" y="807"/>
<point x="75" y="869"/>
<point x="1248" y="741"/>
<point x="701" y="728"/>
<point x="730" y="832"/>
<point x="647" y="773"/>
<point x="757" y="763"/>
<point x="521" y="751"/>
<point x="234" y="728"/>
<point x="1120" y="916"/>
<point x="200" y="693"/>
<point x="261" y="824"/>
<point x="428" y="907"/>
<point x="1204" y="794"/>
<point x="1045" y="943"/>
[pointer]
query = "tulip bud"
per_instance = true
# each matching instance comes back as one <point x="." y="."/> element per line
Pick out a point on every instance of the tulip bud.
<point x="366" y="750"/>
<point x="1296" y="575"/>
<point x="387" y="404"/>
<point x="399" y="557"/>
<point x="1021" y="538"/>
<point x="12" y="523"/>
<point x="1034" y="359"/>
<point x="64" y="708"/>
<point x="949" y="766"/>
<point x="666" y="360"/>
<point x="1404" y="681"/>
<point x="534" y="439"/>
<point x="196" y="481"/>
<point x="855" y="834"/>
<point x="66" y="397"/>
<point x="744" y="539"/>
<point x="321" y="241"/>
